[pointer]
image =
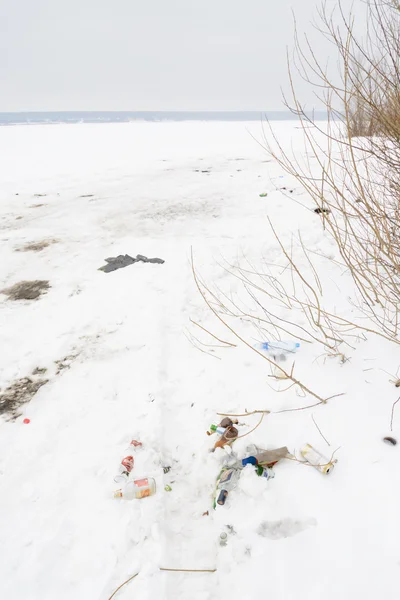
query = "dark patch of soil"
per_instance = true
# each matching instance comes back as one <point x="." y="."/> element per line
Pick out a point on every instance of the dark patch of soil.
<point x="65" y="363"/>
<point x="36" y="246"/>
<point x="27" y="290"/>
<point x="39" y="371"/>
<point x="18" y="393"/>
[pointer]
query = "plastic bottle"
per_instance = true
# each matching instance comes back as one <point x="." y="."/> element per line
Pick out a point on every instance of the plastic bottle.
<point x="228" y="481"/>
<point x="125" y="468"/>
<point x="137" y="489"/>
<point x="252" y="450"/>
<point x="223" y="539"/>
<point x="234" y="463"/>
<point x="265" y="472"/>
<point x="279" y="351"/>
<point x="280" y="347"/>
<point x="217" y="429"/>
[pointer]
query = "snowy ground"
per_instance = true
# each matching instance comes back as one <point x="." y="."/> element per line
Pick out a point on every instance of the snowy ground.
<point x="160" y="189"/>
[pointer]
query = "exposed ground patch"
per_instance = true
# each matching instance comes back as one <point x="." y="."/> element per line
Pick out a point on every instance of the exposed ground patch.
<point x="18" y="393"/>
<point x="65" y="363"/>
<point x="27" y="290"/>
<point x="36" y="246"/>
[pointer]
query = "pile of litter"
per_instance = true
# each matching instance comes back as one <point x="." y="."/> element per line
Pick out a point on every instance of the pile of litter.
<point x="262" y="460"/>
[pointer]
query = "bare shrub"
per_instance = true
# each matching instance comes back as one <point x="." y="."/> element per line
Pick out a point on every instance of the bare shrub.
<point x="358" y="187"/>
<point x="351" y="171"/>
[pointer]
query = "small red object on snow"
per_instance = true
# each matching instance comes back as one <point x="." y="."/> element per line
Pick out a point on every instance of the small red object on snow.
<point x="128" y="463"/>
<point x="135" y="443"/>
<point x="26" y="421"/>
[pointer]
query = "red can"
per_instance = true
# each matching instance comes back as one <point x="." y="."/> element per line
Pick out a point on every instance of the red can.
<point x="128" y="463"/>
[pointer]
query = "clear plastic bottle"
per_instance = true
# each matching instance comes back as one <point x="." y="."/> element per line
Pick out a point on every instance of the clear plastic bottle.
<point x="265" y="472"/>
<point x="227" y="481"/>
<point x="239" y="463"/>
<point x="125" y="468"/>
<point x="252" y="450"/>
<point x="279" y="351"/>
<point x="280" y="347"/>
<point x="137" y="489"/>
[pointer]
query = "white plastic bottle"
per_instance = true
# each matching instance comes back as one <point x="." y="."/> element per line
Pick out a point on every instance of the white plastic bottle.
<point x="137" y="489"/>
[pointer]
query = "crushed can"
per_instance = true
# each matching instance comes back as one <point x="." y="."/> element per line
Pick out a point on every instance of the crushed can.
<point x="316" y="459"/>
<point x="125" y="468"/>
<point x="135" y="444"/>
<point x="128" y="463"/>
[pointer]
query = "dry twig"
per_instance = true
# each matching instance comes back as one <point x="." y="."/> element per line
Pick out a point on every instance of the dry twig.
<point x="391" y="419"/>
<point x="322" y="435"/>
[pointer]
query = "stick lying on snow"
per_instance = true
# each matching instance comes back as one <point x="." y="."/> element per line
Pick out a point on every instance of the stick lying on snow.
<point x="163" y="569"/>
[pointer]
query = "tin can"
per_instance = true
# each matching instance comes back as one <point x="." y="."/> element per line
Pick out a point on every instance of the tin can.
<point x="316" y="459"/>
<point x="125" y="468"/>
<point x="128" y="463"/>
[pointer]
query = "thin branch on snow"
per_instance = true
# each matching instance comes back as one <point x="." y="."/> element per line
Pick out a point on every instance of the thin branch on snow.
<point x="391" y="419"/>
<point x="322" y="435"/>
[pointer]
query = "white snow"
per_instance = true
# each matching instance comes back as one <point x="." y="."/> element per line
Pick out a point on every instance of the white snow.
<point x="134" y="375"/>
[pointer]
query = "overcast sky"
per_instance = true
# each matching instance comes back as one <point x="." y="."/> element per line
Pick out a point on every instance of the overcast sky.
<point x="148" y="55"/>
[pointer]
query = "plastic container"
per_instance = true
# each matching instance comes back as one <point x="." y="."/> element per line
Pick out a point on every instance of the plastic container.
<point x="137" y="489"/>
<point x="280" y="347"/>
<point x="123" y="475"/>
<point x="252" y="450"/>
<point x="236" y="463"/>
<point x="279" y="351"/>
<point x="125" y="468"/>
<point x="218" y="429"/>
<point x="228" y="480"/>
<point x="265" y="472"/>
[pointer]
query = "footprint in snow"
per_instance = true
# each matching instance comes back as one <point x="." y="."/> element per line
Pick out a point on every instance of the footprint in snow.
<point x="274" y="530"/>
